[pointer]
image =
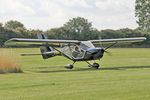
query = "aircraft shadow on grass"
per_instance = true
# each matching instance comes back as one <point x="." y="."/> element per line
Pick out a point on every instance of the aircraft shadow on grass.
<point x="92" y="69"/>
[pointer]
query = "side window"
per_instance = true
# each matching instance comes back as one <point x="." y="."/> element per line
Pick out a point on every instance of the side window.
<point x="77" y="53"/>
<point x="73" y="52"/>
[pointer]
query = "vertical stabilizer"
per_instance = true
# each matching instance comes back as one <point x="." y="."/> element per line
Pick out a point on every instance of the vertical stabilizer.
<point x="46" y="51"/>
<point x="41" y="36"/>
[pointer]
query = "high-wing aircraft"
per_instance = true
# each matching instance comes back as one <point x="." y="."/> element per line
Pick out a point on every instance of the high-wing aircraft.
<point x="72" y="49"/>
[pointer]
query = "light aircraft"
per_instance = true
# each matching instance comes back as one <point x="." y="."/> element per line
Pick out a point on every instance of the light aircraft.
<point x="72" y="49"/>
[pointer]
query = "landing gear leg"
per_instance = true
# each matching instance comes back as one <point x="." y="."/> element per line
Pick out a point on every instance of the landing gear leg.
<point x="94" y="65"/>
<point x="70" y="66"/>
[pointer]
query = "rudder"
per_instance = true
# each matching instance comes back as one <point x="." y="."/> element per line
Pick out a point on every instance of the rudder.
<point x="46" y="51"/>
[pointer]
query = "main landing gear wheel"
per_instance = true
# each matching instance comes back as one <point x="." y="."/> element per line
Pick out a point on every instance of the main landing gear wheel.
<point x="94" y="65"/>
<point x="69" y="66"/>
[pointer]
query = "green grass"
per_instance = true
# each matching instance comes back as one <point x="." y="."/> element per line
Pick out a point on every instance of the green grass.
<point x="123" y="76"/>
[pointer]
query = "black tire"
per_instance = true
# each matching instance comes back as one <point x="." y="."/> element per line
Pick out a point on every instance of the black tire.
<point x="96" y="65"/>
<point x="69" y="66"/>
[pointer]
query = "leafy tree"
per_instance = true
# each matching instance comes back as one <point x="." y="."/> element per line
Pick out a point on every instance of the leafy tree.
<point x="1" y="25"/>
<point x="109" y="34"/>
<point x="142" y="11"/>
<point x="76" y="29"/>
<point x="57" y="33"/>
<point x="128" y="33"/>
<point x="147" y="42"/>
<point x="32" y="33"/>
<point x="1" y="33"/>
<point x="13" y="25"/>
<point x="79" y="29"/>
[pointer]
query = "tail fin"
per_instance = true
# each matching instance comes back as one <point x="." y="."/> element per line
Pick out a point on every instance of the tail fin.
<point x="41" y="36"/>
<point x="46" y="51"/>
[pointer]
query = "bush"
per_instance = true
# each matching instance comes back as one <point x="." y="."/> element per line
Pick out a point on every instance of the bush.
<point x="8" y="65"/>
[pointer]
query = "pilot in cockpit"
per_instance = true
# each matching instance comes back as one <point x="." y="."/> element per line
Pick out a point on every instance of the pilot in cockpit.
<point x="76" y="52"/>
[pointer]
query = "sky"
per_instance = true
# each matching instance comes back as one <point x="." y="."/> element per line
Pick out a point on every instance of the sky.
<point x="47" y="14"/>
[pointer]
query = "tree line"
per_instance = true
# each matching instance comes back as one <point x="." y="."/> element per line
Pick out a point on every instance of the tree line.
<point x="75" y="29"/>
<point x="80" y="29"/>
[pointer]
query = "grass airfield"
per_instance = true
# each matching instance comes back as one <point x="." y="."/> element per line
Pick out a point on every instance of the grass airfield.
<point x="123" y="76"/>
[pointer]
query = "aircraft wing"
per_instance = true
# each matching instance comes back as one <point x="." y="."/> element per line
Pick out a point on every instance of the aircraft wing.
<point x="38" y="42"/>
<point x="119" y="40"/>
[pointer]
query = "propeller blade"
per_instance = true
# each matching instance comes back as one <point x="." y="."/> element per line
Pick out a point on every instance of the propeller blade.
<point x="110" y="46"/>
<point x="109" y="53"/>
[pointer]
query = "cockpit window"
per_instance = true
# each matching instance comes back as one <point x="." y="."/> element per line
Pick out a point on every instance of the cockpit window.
<point x="74" y="52"/>
<point x="78" y="53"/>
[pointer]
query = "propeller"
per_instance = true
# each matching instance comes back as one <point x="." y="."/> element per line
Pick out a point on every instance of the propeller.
<point x="105" y="50"/>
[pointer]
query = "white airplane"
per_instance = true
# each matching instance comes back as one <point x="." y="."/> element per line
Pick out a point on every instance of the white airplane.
<point x="72" y="49"/>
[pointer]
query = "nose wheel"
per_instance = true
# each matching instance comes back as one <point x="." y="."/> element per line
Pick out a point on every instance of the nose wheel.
<point x="94" y="65"/>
